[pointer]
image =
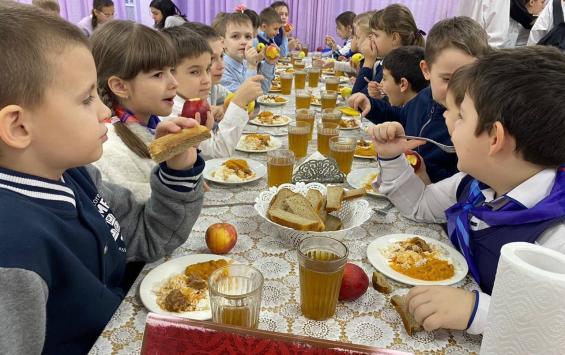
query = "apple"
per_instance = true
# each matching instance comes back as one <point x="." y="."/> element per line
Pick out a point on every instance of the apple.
<point x="288" y="27"/>
<point x="272" y="51"/>
<point x="221" y="237"/>
<point x="301" y="55"/>
<point x="346" y="92"/>
<point x="260" y="47"/>
<point x="414" y="159"/>
<point x="250" y="107"/>
<point x="354" y="283"/>
<point x="192" y="106"/>
<point x="356" y="58"/>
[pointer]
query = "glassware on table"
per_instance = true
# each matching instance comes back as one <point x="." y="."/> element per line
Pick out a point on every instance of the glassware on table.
<point x="321" y="263"/>
<point x="299" y="64"/>
<point x="294" y="57"/>
<point x="306" y="115"/>
<point x="299" y="79"/>
<point x="286" y="83"/>
<point x="298" y="134"/>
<point x="342" y="150"/>
<point x="326" y="130"/>
<point x="314" y="74"/>
<point x="280" y="164"/>
<point x="332" y="83"/>
<point x="331" y="115"/>
<point x="339" y="73"/>
<point x="328" y="99"/>
<point x="235" y="295"/>
<point x="303" y="99"/>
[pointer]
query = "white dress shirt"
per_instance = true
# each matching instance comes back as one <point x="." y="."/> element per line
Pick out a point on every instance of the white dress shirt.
<point x="544" y="23"/>
<point x="492" y="15"/>
<point x="427" y="203"/>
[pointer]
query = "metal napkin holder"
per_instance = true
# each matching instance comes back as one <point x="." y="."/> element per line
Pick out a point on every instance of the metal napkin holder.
<point x="323" y="171"/>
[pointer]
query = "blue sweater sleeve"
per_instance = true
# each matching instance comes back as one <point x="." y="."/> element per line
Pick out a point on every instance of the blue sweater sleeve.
<point x="268" y="71"/>
<point x="284" y="46"/>
<point x="381" y="111"/>
<point x="360" y="83"/>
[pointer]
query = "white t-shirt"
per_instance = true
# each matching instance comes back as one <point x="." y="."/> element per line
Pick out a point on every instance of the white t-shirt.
<point x="492" y="15"/>
<point x="544" y="23"/>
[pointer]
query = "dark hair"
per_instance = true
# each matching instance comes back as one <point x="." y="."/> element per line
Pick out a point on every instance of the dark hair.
<point x="458" y="84"/>
<point x="269" y="16"/>
<point x="460" y="32"/>
<point x="98" y="5"/>
<point x="254" y="17"/>
<point x="523" y="89"/>
<point x="31" y="42"/>
<point x="167" y="8"/>
<point x="404" y="62"/>
<point x="345" y="19"/>
<point x="125" y="49"/>
<point x="279" y="4"/>
<point x="187" y="43"/>
<point x="205" y="31"/>
<point x="398" y="18"/>
<point x="223" y="19"/>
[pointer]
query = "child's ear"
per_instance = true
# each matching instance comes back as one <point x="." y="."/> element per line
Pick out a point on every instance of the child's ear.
<point x="396" y="40"/>
<point x="119" y="87"/>
<point x="425" y="68"/>
<point x="404" y="85"/>
<point x="15" y="127"/>
<point x="498" y="138"/>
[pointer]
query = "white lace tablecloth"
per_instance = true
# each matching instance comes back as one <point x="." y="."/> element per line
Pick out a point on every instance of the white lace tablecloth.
<point x="370" y="320"/>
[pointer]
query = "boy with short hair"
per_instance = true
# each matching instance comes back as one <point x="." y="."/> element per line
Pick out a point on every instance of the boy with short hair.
<point x="511" y="187"/>
<point x="271" y="23"/>
<point x="67" y="235"/>
<point x="281" y="8"/>
<point x="402" y="77"/>
<point x="451" y="43"/>
<point x="48" y="5"/>
<point x="241" y="59"/>
<point x="193" y="76"/>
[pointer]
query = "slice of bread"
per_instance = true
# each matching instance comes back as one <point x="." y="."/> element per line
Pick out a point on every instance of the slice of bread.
<point x="294" y="221"/>
<point x="332" y="223"/>
<point x="335" y="195"/>
<point x="354" y="193"/>
<point x="410" y="324"/>
<point x="279" y="201"/>
<point x="300" y="206"/>
<point x="166" y="147"/>
<point x="316" y="199"/>
<point x="380" y="283"/>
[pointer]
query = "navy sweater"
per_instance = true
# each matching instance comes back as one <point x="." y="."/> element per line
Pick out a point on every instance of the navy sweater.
<point x="361" y="84"/>
<point x="423" y="117"/>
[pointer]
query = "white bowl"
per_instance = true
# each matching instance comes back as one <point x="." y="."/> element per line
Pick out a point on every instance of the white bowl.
<point x="353" y="213"/>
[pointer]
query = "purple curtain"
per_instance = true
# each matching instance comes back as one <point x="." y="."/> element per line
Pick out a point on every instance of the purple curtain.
<point x="74" y="10"/>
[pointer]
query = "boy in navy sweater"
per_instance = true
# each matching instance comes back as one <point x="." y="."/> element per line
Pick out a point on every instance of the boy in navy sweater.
<point x="451" y="44"/>
<point x="511" y="187"/>
<point x="66" y="235"/>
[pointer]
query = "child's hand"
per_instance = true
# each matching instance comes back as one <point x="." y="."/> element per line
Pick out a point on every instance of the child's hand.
<point x="248" y="91"/>
<point x="422" y="173"/>
<point x="441" y="306"/>
<point x="217" y="113"/>
<point x="386" y="142"/>
<point x="370" y="51"/>
<point x="361" y="102"/>
<point x="375" y="90"/>
<point x="186" y="159"/>
<point x="330" y="41"/>
<point x="209" y="119"/>
<point x="251" y="55"/>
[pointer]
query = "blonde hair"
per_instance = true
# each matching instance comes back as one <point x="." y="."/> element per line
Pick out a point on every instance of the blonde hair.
<point x="362" y="22"/>
<point x="47" y="5"/>
<point x="398" y="18"/>
<point x="125" y="49"/>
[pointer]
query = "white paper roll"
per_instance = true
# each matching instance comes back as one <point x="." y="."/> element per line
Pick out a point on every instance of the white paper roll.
<point x="527" y="309"/>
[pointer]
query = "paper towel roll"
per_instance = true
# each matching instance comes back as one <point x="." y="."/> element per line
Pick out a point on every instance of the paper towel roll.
<point x="527" y="309"/>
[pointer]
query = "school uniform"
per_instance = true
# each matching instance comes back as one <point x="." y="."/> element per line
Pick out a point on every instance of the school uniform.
<point x="262" y="38"/>
<point x="373" y="74"/>
<point x="85" y="24"/>
<point x="236" y="72"/>
<point x="492" y="15"/>
<point x="64" y="245"/>
<point x="422" y="117"/>
<point x="543" y="24"/>
<point x="344" y="50"/>
<point x="533" y="212"/>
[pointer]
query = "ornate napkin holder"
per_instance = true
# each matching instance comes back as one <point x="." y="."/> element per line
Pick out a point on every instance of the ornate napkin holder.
<point x="323" y="171"/>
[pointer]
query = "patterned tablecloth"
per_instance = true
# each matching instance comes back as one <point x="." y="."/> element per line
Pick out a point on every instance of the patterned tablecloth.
<point x="369" y="320"/>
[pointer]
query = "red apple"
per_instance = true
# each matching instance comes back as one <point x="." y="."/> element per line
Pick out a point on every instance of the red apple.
<point x="414" y="159"/>
<point x="272" y="51"/>
<point x="288" y="27"/>
<point x="221" y="237"/>
<point x="191" y="106"/>
<point x="354" y="283"/>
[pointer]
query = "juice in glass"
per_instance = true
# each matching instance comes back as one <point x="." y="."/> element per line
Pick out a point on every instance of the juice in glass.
<point x="325" y="132"/>
<point x="314" y="77"/>
<point x="299" y="79"/>
<point x="280" y="164"/>
<point x="332" y="83"/>
<point x="328" y="99"/>
<point x="308" y="116"/>
<point x="298" y="134"/>
<point x="286" y="83"/>
<point x="303" y="99"/>
<point x="342" y="150"/>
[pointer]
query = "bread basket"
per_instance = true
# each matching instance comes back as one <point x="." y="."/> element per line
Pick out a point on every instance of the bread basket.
<point x="353" y="213"/>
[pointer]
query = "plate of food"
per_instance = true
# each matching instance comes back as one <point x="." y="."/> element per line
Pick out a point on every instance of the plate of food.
<point x="349" y="111"/>
<point x="417" y="260"/>
<point x="258" y="143"/>
<point x="358" y="178"/>
<point x="179" y="286"/>
<point x="315" y="101"/>
<point x="329" y="72"/>
<point x="272" y="100"/>
<point x="365" y="149"/>
<point x="349" y="123"/>
<point x="233" y="171"/>
<point x="269" y="119"/>
<point x="276" y="84"/>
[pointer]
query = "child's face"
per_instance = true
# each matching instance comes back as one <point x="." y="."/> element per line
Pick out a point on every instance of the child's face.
<point x="271" y="30"/>
<point x="156" y="15"/>
<point x="282" y="11"/>
<point x="105" y="14"/>
<point x="451" y="113"/>
<point x="69" y="120"/>
<point x="357" y="38"/>
<point x="217" y="68"/>
<point x="385" y="42"/>
<point x="439" y="73"/>
<point x="392" y="89"/>
<point x="193" y="76"/>
<point x="343" y="32"/>
<point x="152" y="93"/>
<point x="238" y="36"/>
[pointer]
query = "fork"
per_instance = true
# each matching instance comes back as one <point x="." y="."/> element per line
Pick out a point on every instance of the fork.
<point x="445" y="148"/>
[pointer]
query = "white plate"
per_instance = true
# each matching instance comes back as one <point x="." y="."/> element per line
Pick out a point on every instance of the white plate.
<point x="380" y="262"/>
<point x="256" y="122"/>
<point x="275" y="144"/>
<point x="350" y="128"/>
<point x="363" y="156"/>
<point x="261" y="101"/>
<point x="356" y="177"/>
<point x="156" y="277"/>
<point x="317" y="103"/>
<point x="213" y="164"/>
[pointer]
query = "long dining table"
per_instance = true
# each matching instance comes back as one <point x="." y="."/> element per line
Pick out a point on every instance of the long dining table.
<point x="369" y="320"/>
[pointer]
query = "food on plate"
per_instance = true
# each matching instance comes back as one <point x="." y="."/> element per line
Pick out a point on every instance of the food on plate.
<point x="420" y="260"/>
<point x="410" y="324"/>
<point x="272" y="51"/>
<point x="365" y="148"/>
<point x="354" y="283"/>
<point x="348" y="111"/>
<point x="166" y="147"/>
<point x="233" y="170"/>
<point x="221" y="237"/>
<point x="256" y="141"/>
<point x="315" y="100"/>
<point x="273" y="99"/>
<point x="380" y="283"/>
<point x="367" y="182"/>
<point x="268" y="118"/>
<point x="348" y="123"/>
<point x="414" y="160"/>
<point x="186" y="292"/>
